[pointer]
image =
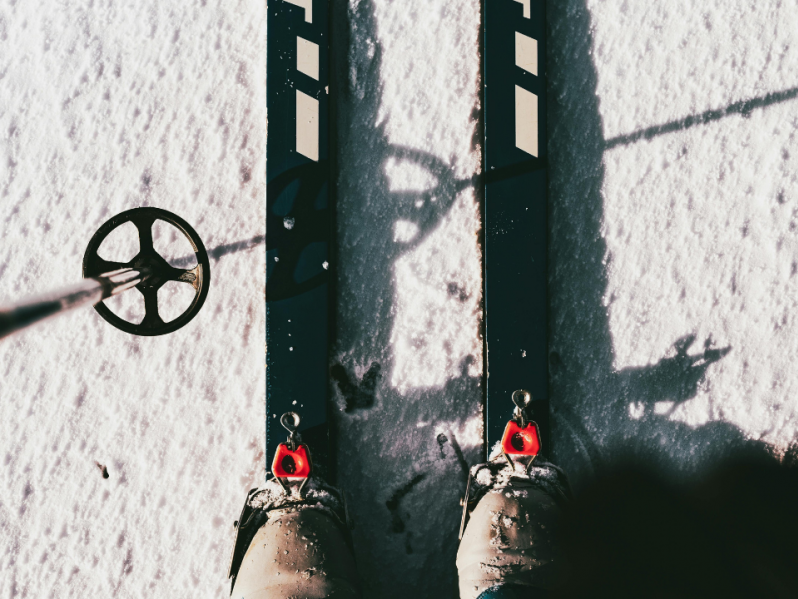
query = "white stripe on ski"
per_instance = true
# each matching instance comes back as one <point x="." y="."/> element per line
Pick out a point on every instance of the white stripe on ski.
<point x="527" y="7"/>
<point x="308" y="6"/>
<point x="526" y="53"/>
<point x="307" y="126"/>
<point x="526" y="121"/>
<point x="307" y="58"/>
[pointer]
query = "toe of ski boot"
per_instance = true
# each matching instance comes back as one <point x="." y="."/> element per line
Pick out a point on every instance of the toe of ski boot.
<point x="512" y="536"/>
<point x="298" y="553"/>
<point x="295" y="546"/>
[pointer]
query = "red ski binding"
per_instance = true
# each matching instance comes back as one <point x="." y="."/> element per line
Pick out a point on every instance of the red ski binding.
<point x="521" y="435"/>
<point x="292" y="458"/>
<point x="291" y="463"/>
<point x="521" y="441"/>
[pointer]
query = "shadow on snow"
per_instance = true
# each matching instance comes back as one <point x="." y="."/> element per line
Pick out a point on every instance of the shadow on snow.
<point x="600" y="416"/>
<point x="399" y="458"/>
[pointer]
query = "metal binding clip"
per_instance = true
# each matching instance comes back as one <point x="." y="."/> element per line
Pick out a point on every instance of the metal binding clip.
<point x="464" y="503"/>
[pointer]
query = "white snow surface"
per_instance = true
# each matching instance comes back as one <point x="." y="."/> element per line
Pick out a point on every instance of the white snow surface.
<point x="105" y="107"/>
<point x="700" y="223"/>
<point x="410" y="284"/>
<point x="673" y="245"/>
<point x="673" y="253"/>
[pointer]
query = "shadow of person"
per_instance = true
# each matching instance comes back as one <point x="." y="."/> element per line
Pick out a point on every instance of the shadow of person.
<point x="673" y="379"/>
<point x="633" y="533"/>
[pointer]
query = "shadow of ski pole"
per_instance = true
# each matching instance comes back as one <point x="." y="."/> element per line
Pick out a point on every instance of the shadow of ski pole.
<point x="602" y="416"/>
<point x="743" y="107"/>
<point x="222" y="250"/>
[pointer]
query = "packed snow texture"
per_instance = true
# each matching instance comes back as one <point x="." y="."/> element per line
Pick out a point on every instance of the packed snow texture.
<point x="673" y="246"/>
<point x="409" y="287"/>
<point x="124" y="460"/>
<point x="672" y="270"/>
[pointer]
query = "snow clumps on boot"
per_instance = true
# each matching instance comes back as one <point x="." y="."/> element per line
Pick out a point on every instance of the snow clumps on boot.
<point x="512" y="536"/>
<point x="296" y="546"/>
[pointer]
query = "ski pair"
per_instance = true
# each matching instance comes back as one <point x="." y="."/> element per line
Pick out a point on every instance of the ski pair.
<point x="301" y="169"/>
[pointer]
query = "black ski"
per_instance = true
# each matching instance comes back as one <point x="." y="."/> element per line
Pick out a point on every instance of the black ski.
<point x="298" y="221"/>
<point x="514" y="215"/>
<point x="298" y="233"/>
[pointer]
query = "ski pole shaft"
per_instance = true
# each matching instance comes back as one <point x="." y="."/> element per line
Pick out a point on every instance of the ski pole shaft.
<point x="89" y="291"/>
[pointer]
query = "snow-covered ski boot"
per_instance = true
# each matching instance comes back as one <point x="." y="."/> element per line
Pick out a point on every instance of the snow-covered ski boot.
<point x="292" y="538"/>
<point x="509" y="536"/>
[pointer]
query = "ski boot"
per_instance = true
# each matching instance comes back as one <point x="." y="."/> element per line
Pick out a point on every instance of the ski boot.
<point x="509" y="545"/>
<point x="292" y="540"/>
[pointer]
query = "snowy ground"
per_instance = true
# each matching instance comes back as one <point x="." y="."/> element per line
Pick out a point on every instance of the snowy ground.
<point x="105" y="107"/>
<point x="673" y="256"/>
<point x="672" y="253"/>
<point x="673" y="244"/>
<point x="409" y="284"/>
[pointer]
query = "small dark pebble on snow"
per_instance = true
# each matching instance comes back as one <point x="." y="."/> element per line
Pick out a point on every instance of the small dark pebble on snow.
<point x="103" y="469"/>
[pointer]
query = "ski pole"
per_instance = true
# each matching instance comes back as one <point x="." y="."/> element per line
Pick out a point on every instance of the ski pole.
<point x="89" y="292"/>
<point x="148" y="271"/>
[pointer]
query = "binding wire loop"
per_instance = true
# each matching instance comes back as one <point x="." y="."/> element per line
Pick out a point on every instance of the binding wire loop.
<point x="521" y="398"/>
<point x="515" y="440"/>
<point x="290" y="422"/>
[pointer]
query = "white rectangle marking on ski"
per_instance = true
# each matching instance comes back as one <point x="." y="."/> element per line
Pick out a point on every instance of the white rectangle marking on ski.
<point x="526" y="53"/>
<point x="307" y="126"/>
<point x="307" y="58"/>
<point x="526" y="121"/>
<point x="527" y="7"/>
<point x="308" y="6"/>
